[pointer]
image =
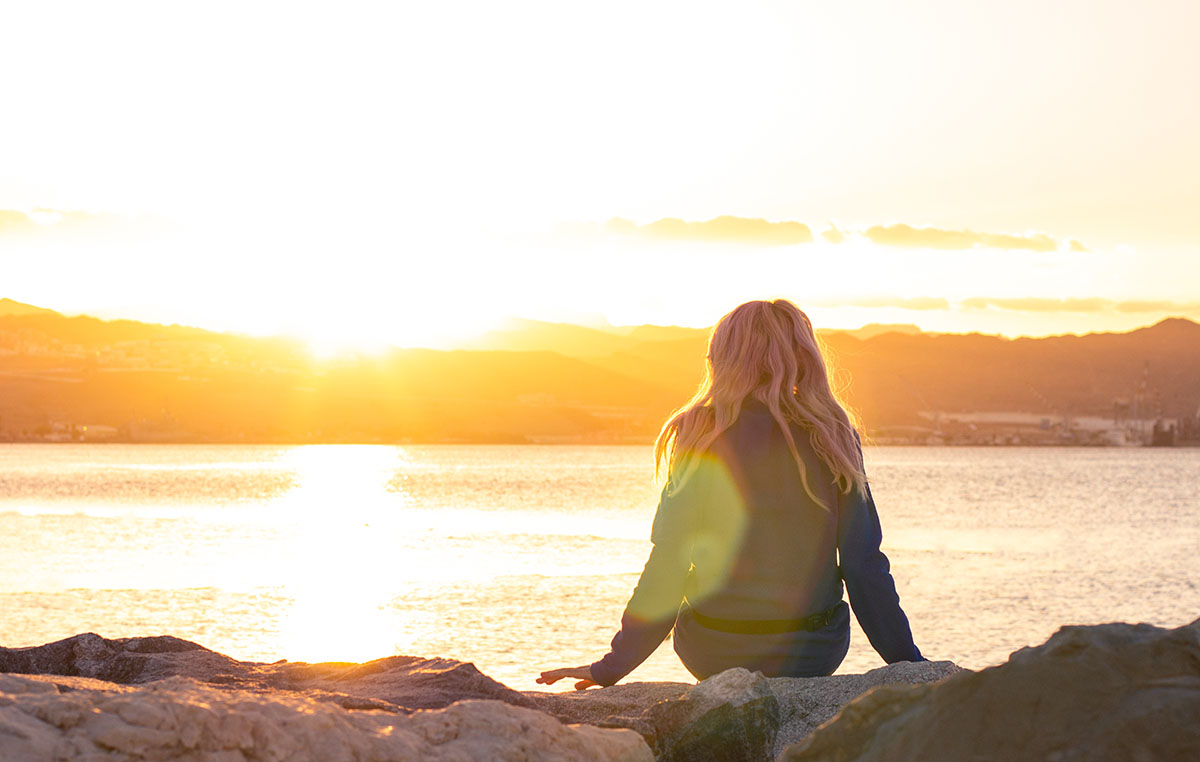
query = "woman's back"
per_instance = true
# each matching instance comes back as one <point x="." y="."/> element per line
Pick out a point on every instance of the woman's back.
<point x="764" y="549"/>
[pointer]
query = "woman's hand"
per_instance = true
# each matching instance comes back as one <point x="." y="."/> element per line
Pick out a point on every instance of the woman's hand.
<point x="582" y="674"/>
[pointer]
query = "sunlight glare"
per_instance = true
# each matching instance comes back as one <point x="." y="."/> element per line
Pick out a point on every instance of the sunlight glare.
<point x="325" y="347"/>
<point x="340" y="566"/>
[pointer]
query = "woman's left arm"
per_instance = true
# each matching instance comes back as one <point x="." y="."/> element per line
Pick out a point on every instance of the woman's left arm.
<point x="869" y="583"/>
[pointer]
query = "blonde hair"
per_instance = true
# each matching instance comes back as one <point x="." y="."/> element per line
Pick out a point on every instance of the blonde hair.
<point x="766" y="351"/>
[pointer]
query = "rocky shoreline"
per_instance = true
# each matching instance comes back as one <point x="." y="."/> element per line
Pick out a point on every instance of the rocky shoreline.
<point x="1106" y="691"/>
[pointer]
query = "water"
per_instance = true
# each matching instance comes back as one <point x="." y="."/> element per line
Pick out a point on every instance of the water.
<point x="521" y="558"/>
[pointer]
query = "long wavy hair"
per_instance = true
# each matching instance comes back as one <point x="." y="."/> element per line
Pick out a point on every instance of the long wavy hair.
<point x="766" y="351"/>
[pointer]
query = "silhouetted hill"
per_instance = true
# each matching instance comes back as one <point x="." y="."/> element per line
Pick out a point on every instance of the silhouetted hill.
<point x="662" y="333"/>
<point x="11" y="307"/>
<point x="174" y="382"/>
<point x="871" y="330"/>
<point x="676" y="364"/>
<point x="895" y="374"/>
<point x="521" y="335"/>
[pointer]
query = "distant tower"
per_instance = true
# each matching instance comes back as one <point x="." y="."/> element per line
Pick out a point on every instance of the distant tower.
<point x="1140" y="403"/>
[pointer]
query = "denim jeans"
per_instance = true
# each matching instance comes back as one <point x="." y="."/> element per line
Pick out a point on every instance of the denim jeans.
<point x="706" y="652"/>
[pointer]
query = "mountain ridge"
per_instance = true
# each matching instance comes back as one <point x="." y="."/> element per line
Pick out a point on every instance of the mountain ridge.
<point x="204" y="385"/>
<point x="13" y="307"/>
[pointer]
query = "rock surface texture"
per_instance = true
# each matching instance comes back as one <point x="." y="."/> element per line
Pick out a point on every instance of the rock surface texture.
<point x="1116" y="691"/>
<point x="1103" y="692"/>
<point x="729" y="717"/>
<point x="736" y="715"/>
<point x="395" y="683"/>
<point x="809" y="702"/>
<point x="182" y="719"/>
<point x="804" y="702"/>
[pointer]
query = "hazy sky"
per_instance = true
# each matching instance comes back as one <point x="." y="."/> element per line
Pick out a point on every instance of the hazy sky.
<point x="375" y="172"/>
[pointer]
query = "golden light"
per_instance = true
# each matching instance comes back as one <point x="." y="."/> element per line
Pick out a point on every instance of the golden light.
<point x="325" y="347"/>
<point x="309" y="205"/>
<point x="341" y="564"/>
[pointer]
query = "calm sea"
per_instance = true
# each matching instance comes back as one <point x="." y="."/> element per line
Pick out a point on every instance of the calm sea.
<point x="521" y="558"/>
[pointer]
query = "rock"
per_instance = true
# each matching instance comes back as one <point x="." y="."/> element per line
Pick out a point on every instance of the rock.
<point x="409" y="682"/>
<point x="808" y="702"/>
<point x="804" y="702"/>
<point x="598" y="705"/>
<point x="736" y="712"/>
<point x="730" y="717"/>
<point x="180" y="718"/>
<point x="397" y="683"/>
<point x="127" y="660"/>
<point x="1112" y="691"/>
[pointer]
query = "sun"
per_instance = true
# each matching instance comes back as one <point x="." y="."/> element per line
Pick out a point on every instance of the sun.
<point x="324" y="347"/>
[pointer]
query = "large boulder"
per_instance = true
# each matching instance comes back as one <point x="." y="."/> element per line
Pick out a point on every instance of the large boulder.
<point x="182" y="719"/>
<point x="408" y="682"/>
<point x="1102" y="692"/>
<point x="599" y="706"/>
<point x="803" y="702"/>
<point x="125" y="660"/>
<point x="399" y="683"/>
<point x="809" y="702"/>
<point x="730" y="717"/>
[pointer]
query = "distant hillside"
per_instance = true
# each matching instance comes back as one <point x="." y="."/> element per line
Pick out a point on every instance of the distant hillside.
<point x="661" y="332"/>
<point x="535" y="381"/>
<point x="871" y="330"/>
<point x="894" y="374"/>
<point x="575" y="340"/>
<point x="10" y="307"/>
<point x="180" y="383"/>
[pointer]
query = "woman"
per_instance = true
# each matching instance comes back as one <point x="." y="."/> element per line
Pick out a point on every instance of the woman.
<point x="766" y="511"/>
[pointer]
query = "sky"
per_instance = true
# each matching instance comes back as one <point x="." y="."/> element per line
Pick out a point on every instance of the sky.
<point x="405" y="173"/>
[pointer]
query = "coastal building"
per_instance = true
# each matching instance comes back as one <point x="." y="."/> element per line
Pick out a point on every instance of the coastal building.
<point x="95" y="432"/>
<point x="1030" y="428"/>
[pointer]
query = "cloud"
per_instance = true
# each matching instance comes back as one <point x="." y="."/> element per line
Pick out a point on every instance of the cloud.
<point x="901" y="302"/>
<point x="760" y="232"/>
<point x="833" y="235"/>
<point x="937" y="238"/>
<point x="725" y="229"/>
<point x="1038" y="304"/>
<point x="12" y="221"/>
<point x="41" y="222"/>
<point x="1158" y="306"/>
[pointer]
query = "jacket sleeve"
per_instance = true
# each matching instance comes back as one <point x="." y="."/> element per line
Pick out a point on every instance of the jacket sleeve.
<point x="651" y="611"/>
<point x="869" y="583"/>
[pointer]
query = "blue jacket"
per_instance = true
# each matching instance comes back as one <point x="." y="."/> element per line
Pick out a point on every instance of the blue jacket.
<point x="740" y="539"/>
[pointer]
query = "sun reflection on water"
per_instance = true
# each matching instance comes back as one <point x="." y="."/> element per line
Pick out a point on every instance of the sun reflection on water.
<point x="340" y="568"/>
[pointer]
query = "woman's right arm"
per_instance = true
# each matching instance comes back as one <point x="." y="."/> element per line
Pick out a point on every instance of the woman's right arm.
<point x="867" y="573"/>
<point x="650" y="613"/>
